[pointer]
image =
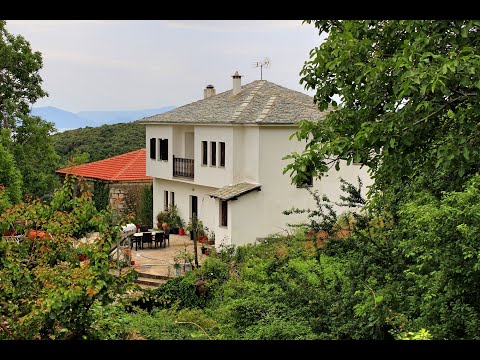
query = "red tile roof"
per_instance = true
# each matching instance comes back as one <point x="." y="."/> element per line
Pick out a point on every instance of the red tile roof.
<point x="130" y="166"/>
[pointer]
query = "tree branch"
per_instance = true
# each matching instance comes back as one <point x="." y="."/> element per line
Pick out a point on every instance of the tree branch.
<point x="191" y="322"/>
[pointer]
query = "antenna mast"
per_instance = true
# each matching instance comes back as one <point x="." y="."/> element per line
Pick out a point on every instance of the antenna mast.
<point x="261" y="64"/>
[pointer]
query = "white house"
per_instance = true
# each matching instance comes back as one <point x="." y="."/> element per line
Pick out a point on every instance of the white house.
<point x="221" y="158"/>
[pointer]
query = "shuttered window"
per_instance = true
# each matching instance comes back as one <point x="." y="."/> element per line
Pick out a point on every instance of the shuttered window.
<point x="223" y="213"/>
<point x="222" y="154"/>
<point x="152" y="148"/>
<point x="213" y="149"/>
<point x="204" y="153"/>
<point x="164" y="149"/>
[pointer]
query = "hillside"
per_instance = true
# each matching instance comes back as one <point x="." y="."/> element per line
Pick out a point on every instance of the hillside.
<point x="66" y="120"/>
<point x="100" y="142"/>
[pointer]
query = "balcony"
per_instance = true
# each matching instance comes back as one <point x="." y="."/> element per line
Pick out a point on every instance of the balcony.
<point x="183" y="167"/>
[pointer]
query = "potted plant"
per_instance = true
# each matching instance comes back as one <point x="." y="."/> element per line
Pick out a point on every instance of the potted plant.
<point x="177" y="266"/>
<point x="172" y="217"/>
<point x="183" y="259"/>
<point x="211" y="238"/>
<point x="181" y="230"/>
<point x="204" y="248"/>
<point x="205" y="233"/>
<point x="200" y="231"/>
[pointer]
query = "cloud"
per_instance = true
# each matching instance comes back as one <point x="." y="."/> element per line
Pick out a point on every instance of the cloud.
<point x="234" y="25"/>
<point x="50" y="25"/>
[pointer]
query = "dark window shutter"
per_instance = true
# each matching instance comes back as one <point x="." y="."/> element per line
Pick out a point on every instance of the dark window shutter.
<point x="204" y="153"/>
<point x="222" y="154"/>
<point x="224" y="213"/>
<point x="214" y="153"/>
<point x="164" y="149"/>
<point x="152" y="148"/>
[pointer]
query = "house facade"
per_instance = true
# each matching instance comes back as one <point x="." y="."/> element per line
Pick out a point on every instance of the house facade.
<point x="221" y="158"/>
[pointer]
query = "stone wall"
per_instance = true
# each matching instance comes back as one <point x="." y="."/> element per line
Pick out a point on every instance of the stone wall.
<point x="125" y="196"/>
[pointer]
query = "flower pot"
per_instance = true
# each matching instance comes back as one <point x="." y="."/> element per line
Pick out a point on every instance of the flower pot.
<point x="207" y="252"/>
<point x="178" y="271"/>
<point x="187" y="267"/>
<point x="132" y="262"/>
<point x="181" y="232"/>
<point x="204" y="250"/>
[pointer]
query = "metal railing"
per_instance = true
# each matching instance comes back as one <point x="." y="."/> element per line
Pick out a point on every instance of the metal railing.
<point x="183" y="167"/>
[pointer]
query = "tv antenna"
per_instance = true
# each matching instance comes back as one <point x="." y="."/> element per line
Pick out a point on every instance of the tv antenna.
<point x="262" y="64"/>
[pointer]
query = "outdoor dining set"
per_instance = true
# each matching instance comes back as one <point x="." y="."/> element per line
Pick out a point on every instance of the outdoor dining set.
<point x="151" y="237"/>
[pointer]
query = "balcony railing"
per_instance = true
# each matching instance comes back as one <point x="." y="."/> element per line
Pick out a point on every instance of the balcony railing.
<point x="183" y="167"/>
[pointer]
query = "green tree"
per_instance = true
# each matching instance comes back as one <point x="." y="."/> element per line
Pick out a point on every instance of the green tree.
<point x="35" y="155"/>
<point x="54" y="285"/>
<point x="10" y="176"/>
<point x="25" y="136"/>
<point x="146" y="206"/>
<point x="408" y="101"/>
<point x="20" y="80"/>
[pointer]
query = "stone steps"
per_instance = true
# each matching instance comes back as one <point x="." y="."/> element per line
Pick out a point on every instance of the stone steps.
<point x="151" y="280"/>
<point x="147" y="281"/>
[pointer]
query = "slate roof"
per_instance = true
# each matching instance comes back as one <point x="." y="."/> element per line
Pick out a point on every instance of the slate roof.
<point x="231" y="192"/>
<point x="259" y="102"/>
<point x="126" y="167"/>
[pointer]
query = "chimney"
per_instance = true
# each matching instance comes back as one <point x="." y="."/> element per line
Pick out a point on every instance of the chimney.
<point x="237" y="83"/>
<point x="208" y="91"/>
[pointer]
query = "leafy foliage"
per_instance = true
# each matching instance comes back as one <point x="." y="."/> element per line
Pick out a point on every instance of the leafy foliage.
<point x="409" y="101"/>
<point x="10" y="176"/>
<point x="171" y="216"/>
<point x="35" y="156"/>
<point x="20" y="80"/>
<point x="101" y="194"/>
<point x="54" y="285"/>
<point x="146" y="206"/>
<point x="100" y="142"/>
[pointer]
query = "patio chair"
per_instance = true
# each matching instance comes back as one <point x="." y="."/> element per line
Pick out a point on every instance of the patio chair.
<point x="166" y="237"/>
<point x="147" y="238"/>
<point x="158" y="238"/>
<point x="143" y="228"/>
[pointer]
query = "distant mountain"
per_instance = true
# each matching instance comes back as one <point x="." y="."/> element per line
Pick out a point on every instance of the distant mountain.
<point x="66" y="120"/>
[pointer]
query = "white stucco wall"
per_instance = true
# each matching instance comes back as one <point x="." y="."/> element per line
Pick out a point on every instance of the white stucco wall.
<point x="155" y="167"/>
<point x="206" y="205"/>
<point x="209" y="175"/>
<point x="277" y="191"/>
<point x="246" y="217"/>
<point x="246" y="149"/>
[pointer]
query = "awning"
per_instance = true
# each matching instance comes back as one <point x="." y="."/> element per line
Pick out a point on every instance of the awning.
<point x="232" y="192"/>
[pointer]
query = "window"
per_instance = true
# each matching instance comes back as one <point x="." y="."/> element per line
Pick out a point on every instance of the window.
<point x="193" y="206"/>
<point x="172" y="198"/>
<point x="213" y="149"/>
<point x="152" y="148"/>
<point x="223" y="213"/>
<point x="165" y="199"/>
<point x="204" y="153"/>
<point x="164" y="149"/>
<point x="222" y="154"/>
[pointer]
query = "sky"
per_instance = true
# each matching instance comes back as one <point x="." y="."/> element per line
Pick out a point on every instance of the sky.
<point x="95" y="65"/>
